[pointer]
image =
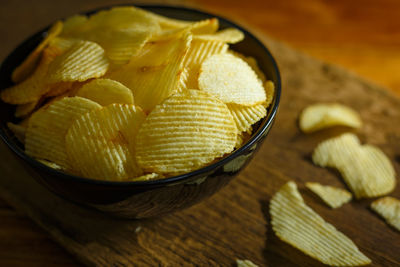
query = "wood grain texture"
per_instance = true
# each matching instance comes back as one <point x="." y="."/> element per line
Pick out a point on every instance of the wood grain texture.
<point x="233" y="223"/>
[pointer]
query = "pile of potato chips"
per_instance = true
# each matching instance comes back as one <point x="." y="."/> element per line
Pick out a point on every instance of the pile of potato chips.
<point x="367" y="171"/>
<point x="129" y="95"/>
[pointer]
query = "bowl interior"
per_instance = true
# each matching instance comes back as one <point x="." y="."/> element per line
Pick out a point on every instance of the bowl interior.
<point x="250" y="46"/>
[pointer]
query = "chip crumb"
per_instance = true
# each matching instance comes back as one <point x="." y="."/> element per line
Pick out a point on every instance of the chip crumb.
<point x="389" y="209"/>
<point x="333" y="196"/>
<point x="297" y="224"/>
<point x="138" y="229"/>
<point x="245" y="263"/>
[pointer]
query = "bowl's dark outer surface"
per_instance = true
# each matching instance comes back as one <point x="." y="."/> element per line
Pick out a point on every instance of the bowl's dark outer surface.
<point x="150" y="198"/>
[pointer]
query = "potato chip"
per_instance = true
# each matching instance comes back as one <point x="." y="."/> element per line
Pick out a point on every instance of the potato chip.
<point x="18" y="130"/>
<point x="167" y="23"/>
<point x="246" y="116"/>
<point x="245" y="263"/>
<point x="231" y="79"/>
<point x="73" y="23"/>
<point x="51" y="164"/>
<point x="389" y="209"/>
<point x="36" y="85"/>
<point x="100" y="143"/>
<point x="154" y="73"/>
<point x="334" y="197"/>
<point x="319" y="116"/>
<point x="106" y="92"/>
<point x="28" y="66"/>
<point x="366" y="170"/>
<point x="243" y="137"/>
<point x="24" y="110"/>
<point x="84" y="60"/>
<point x="63" y="44"/>
<point x="199" y="51"/>
<point x="45" y="136"/>
<point x="186" y="132"/>
<point x="252" y="63"/>
<point x="297" y="224"/>
<point x="229" y="35"/>
<point x="183" y="80"/>
<point x="120" y="31"/>
<point x="207" y="26"/>
<point x="269" y="87"/>
<point x="147" y="177"/>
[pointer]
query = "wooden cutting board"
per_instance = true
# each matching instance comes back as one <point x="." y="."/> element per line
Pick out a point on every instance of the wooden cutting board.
<point x="234" y="223"/>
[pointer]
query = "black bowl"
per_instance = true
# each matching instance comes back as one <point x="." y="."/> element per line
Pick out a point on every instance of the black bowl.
<point x="149" y="198"/>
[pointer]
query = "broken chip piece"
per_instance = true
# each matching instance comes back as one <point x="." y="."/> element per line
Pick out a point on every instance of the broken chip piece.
<point x="245" y="263"/>
<point x="366" y="170"/>
<point x="319" y="116"/>
<point x="333" y="196"/>
<point x="389" y="209"/>
<point x="297" y="224"/>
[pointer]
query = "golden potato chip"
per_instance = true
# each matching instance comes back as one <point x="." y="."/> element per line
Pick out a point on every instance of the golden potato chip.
<point x="73" y="23"/>
<point x="106" y="92"/>
<point x="252" y="63"/>
<point x="186" y="132"/>
<point x="334" y="197"/>
<point x="183" y="80"/>
<point x="28" y="66"/>
<point x="51" y="164"/>
<point x="147" y="177"/>
<point x="319" y="116"/>
<point x="120" y="31"/>
<point x="25" y="109"/>
<point x="269" y="87"/>
<point x="60" y="88"/>
<point x="199" y="51"/>
<point x="245" y="263"/>
<point x="62" y="44"/>
<point x="154" y="73"/>
<point x="231" y="79"/>
<point x="45" y="136"/>
<point x="366" y="170"/>
<point x="389" y="209"/>
<point x="228" y="35"/>
<point x="36" y="85"/>
<point x="297" y="224"/>
<point x="167" y="23"/>
<point x="84" y="60"/>
<point x="245" y="116"/>
<point x="100" y="144"/>
<point x="18" y="130"/>
<point x="207" y="26"/>
<point x="243" y="137"/>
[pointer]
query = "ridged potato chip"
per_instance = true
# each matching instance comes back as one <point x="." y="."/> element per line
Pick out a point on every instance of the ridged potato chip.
<point x="245" y="263"/>
<point x="186" y="132"/>
<point x="207" y="26"/>
<point x="147" y="177"/>
<point x="73" y="23"/>
<point x="252" y="63"/>
<point x="183" y="80"/>
<point x="100" y="144"/>
<point x="28" y="66"/>
<point x="106" y="92"/>
<point x="319" y="116"/>
<point x="366" y="170"/>
<point x="199" y="51"/>
<point x="84" y="60"/>
<point x="36" y="85"/>
<point x="120" y="31"/>
<point x="297" y="224"/>
<point x="154" y="73"/>
<point x="231" y="79"/>
<point x="334" y="197"/>
<point x="269" y="87"/>
<point x="389" y="209"/>
<point x="24" y="110"/>
<point x="51" y="164"/>
<point x="246" y="116"/>
<point x="229" y="35"/>
<point x="45" y="136"/>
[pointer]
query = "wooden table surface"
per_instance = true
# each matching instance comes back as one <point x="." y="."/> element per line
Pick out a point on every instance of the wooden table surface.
<point x="361" y="35"/>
